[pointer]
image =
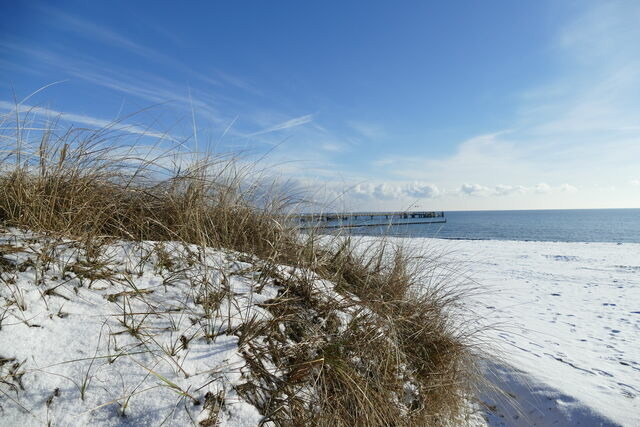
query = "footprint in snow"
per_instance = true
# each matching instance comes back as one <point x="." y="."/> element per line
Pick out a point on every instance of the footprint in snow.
<point x="601" y="372"/>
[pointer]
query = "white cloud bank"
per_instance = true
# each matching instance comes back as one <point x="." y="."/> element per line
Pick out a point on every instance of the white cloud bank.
<point x="422" y="190"/>
<point x="508" y="190"/>
<point x="389" y="191"/>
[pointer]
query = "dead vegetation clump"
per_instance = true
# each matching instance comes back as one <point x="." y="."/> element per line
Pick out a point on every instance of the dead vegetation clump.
<point x="382" y="350"/>
<point x="382" y="347"/>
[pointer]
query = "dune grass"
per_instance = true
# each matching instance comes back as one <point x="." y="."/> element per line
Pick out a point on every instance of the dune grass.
<point x="403" y="359"/>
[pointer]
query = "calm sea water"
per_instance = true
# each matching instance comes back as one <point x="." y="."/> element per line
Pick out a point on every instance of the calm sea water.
<point x="580" y="225"/>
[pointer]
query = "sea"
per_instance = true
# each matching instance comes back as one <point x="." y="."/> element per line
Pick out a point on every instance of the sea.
<point x="570" y="225"/>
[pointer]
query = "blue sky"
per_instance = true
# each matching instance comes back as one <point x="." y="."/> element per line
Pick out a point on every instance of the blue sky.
<point x="369" y="104"/>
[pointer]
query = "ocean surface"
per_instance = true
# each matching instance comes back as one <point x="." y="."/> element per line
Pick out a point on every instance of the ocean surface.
<point x="575" y="225"/>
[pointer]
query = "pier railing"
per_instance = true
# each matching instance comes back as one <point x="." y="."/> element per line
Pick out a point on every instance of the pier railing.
<point x="358" y="219"/>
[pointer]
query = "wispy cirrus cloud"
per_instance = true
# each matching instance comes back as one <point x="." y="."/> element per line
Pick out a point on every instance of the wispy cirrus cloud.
<point x="142" y="85"/>
<point x="93" y="29"/>
<point x="366" y="129"/>
<point x="332" y="147"/>
<point x="205" y="101"/>
<point x="288" y="124"/>
<point x="99" y="123"/>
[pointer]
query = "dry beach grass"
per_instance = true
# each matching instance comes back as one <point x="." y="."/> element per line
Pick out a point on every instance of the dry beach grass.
<point x="402" y="357"/>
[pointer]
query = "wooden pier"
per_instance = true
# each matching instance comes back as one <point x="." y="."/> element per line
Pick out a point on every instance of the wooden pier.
<point x="344" y="220"/>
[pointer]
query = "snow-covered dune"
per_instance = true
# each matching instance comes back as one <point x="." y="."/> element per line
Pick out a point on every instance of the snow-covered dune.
<point x="167" y="333"/>
<point x="567" y="315"/>
<point x="79" y="346"/>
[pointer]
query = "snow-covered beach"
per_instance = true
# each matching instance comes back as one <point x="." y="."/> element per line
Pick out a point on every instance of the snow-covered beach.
<point x="564" y="319"/>
<point x="565" y="314"/>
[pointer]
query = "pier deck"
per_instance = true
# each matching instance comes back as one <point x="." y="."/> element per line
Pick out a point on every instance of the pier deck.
<point x="346" y="220"/>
